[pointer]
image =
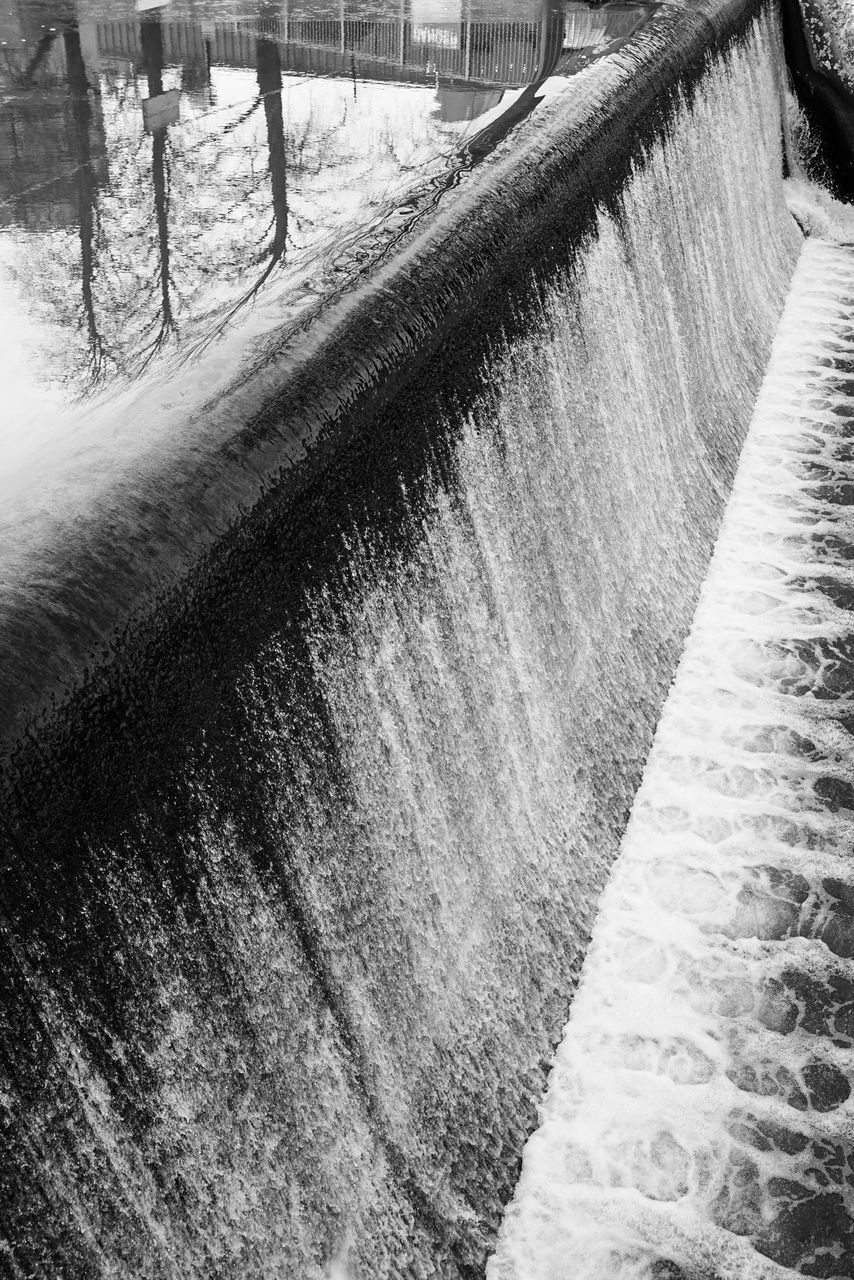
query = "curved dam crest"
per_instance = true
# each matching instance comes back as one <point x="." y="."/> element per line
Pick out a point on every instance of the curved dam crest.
<point x="106" y="531"/>
<point x="297" y="890"/>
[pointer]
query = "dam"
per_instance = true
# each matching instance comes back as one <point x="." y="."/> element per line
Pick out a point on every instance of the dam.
<point x="425" y="667"/>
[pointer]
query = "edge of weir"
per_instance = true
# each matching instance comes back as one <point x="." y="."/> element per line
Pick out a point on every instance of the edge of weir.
<point x="429" y="311"/>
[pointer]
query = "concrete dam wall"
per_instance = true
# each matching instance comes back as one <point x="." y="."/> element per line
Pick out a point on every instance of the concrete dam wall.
<point x="325" y="708"/>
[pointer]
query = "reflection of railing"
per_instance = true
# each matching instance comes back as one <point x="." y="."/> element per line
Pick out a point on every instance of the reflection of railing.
<point x="496" y="53"/>
<point x="182" y="41"/>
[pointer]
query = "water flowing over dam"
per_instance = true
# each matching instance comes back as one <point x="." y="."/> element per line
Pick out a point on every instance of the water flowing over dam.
<point x="332" y="649"/>
<point x="700" y="1103"/>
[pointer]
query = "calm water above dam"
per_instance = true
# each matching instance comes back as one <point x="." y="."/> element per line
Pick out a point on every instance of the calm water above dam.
<point x="171" y="177"/>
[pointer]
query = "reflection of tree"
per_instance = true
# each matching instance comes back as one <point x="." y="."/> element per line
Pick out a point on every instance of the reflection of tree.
<point x="268" y="65"/>
<point x="87" y="188"/>
<point x="269" y="78"/>
<point x="265" y="187"/>
<point x="269" y="68"/>
<point x="151" y="35"/>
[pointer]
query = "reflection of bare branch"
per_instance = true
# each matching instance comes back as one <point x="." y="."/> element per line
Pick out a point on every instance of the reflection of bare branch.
<point x="43" y="48"/>
<point x="160" y="173"/>
<point x="269" y="71"/>
<point x="235" y="124"/>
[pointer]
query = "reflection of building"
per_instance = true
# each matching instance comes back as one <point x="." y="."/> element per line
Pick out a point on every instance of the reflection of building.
<point x="44" y="134"/>
<point x="35" y="164"/>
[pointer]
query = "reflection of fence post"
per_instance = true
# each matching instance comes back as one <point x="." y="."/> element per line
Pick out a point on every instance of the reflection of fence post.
<point x="286" y="17"/>
<point x="208" y="29"/>
<point x="341" y="12"/>
<point x="268" y="62"/>
<point x="545" y="44"/>
<point x="406" y="23"/>
<point x="467" y="68"/>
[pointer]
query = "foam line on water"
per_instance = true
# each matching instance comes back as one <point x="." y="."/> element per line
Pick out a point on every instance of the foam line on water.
<point x="699" y="1119"/>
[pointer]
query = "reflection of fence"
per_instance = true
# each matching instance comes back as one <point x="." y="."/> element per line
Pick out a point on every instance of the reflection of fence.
<point x="182" y="41"/>
<point x="497" y="53"/>
<point x="393" y="41"/>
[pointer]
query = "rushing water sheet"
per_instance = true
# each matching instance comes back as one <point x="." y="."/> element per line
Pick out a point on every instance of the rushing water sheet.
<point x="699" y="1116"/>
<point x="287" y="949"/>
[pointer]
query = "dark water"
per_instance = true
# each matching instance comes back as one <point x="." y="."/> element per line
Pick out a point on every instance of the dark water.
<point x="298" y="882"/>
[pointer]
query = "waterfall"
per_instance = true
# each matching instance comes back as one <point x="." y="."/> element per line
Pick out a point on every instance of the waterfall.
<point x="288" y="949"/>
<point x="698" y="1119"/>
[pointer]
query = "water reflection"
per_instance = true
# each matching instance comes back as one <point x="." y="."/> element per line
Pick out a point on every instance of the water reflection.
<point x="160" y="170"/>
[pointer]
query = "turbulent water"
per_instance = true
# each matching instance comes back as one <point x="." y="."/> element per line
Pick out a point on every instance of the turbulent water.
<point x="284" y="976"/>
<point x="699" y="1119"/>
